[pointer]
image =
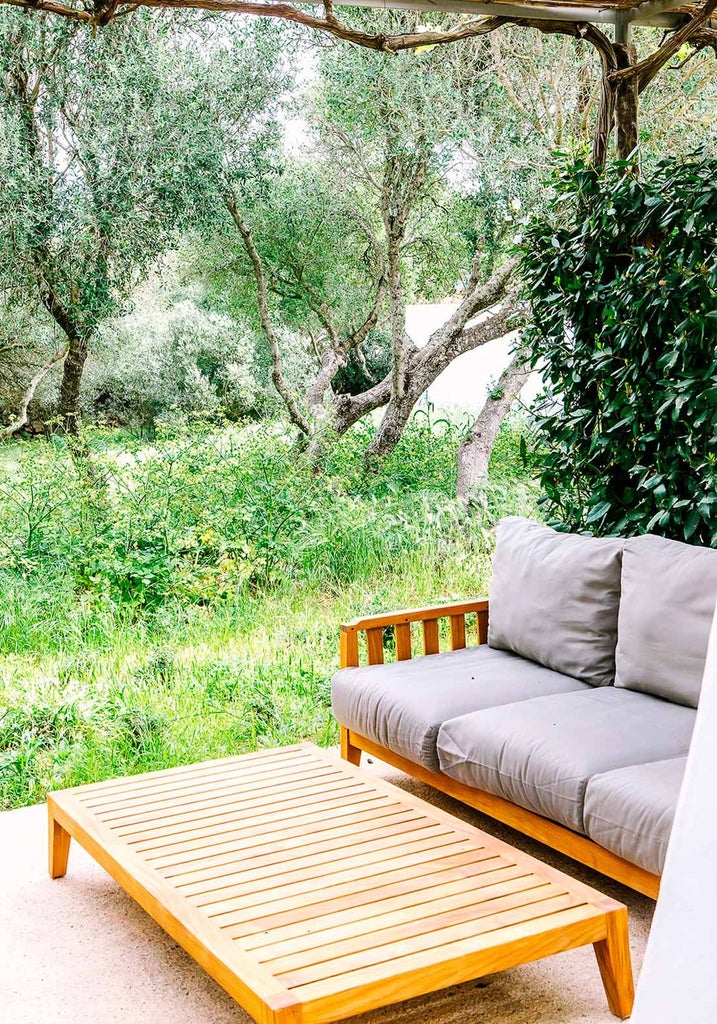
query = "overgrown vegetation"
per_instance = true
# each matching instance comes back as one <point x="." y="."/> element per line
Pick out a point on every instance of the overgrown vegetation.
<point x="201" y="243"/>
<point x="188" y="607"/>
<point x="622" y="278"/>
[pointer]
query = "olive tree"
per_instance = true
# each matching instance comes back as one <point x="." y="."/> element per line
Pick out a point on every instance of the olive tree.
<point x="337" y="240"/>
<point x="100" y="150"/>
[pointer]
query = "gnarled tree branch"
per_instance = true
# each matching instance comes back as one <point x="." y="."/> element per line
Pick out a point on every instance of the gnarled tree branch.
<point x="475" y="451"/>
<point x="277" y="374"/>
<point x="21" y="419"/>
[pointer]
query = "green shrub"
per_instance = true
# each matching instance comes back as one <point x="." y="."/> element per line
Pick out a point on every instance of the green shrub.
<point x="622" y="279"/>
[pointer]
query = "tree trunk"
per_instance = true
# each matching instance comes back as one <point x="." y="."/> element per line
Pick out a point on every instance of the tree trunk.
<point x="474" y="453"/>
<point x="605" y="119"/>
<point x="425" y="366"/>
<point x="392" y="425"/>
<point x="397" y="317"/>
<point x="618" y="109"/>
<point x="626" y="103"/>
<point x="69" y="408"/>
<point x="262" y="296"/>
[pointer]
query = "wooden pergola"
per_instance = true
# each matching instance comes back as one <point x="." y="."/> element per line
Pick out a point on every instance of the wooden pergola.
<point x="604" y="24"/>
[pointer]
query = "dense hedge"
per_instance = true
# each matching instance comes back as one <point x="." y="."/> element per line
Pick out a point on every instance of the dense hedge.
<point x="622" y="280"/>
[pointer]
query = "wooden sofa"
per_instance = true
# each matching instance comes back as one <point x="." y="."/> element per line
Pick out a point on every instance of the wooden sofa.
<point x="374" y="628"/>
<point x="568" y="714"/>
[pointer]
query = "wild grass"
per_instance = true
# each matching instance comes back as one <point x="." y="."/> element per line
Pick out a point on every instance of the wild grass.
<point x="184" y="603"/>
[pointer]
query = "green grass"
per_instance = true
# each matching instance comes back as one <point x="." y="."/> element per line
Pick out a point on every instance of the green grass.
<point x="188" y="607"/>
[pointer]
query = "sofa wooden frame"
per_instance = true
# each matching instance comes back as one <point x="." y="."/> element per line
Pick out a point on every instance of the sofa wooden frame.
<point x="562" y="839"/>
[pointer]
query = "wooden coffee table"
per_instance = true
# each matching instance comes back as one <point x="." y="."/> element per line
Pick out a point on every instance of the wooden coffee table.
<point x="312" y="891"/>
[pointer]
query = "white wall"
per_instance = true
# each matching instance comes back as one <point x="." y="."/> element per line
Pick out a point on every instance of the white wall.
<point x="678" y="983"/>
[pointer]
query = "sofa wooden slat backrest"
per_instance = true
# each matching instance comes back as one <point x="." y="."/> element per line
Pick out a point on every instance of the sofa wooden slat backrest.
<point x="375" y="626"/>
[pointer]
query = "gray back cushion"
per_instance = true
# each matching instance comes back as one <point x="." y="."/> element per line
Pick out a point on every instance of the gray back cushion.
<point x="554" y="599"/>
<point x="668" y="600"/>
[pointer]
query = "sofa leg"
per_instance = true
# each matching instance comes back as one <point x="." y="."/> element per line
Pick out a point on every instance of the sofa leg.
<point x="349" y="752"/>
<point x="613" y="957"/>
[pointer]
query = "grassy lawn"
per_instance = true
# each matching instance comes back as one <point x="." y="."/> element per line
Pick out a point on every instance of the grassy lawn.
<point x="183" y="602"/>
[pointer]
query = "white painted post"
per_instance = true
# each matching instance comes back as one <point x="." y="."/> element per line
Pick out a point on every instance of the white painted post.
<point x="678" y="983"/>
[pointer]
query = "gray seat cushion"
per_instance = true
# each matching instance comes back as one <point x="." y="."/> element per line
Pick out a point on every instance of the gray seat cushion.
<point x="630" y="811"/>
<point x="541" y="754"/>
<point x="668" y="599"/>
<point x="554" y="599"/>
<point x="401" y="706"/>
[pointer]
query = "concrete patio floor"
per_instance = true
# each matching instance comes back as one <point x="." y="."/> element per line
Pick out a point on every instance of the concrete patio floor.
<point x="79" y="950"/>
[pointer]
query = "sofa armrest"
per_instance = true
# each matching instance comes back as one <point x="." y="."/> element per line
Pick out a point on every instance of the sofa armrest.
<point x="374" y="626"/>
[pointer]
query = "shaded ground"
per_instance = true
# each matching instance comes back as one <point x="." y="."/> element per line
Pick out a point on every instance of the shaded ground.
<point x="79" y="949"/>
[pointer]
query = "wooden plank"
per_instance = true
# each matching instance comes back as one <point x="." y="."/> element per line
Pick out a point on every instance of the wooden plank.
<point x="482" y="626"/>
<point x="373" y="919"/>
<point x="438" y="883"/>
<point x="306" y="827"/>
<point x="371" y="913"/>
<point x="297" y="895"/>
<point x="240" y="803"/>
<point x="430" y="637"/>
<point x="458" y="632"/>
<point x="423" y="920"/>
<point x="240" y="762"/>
<point x="403" y="642"/>
<point x="267" y="881"/>
<point x="384" y="984"/>
<point x="222" y="824"/>
<point x="405" y="830"/>
<point x="259" y="824"/>
<point x="167" y="788"/>
<point x="319" y="859"/>
<point x="309" y="879"/>
<point x="226" y="813"/>
<point x="218" y="796"/>
<point x="202" y="794"/>
<point x="374" y="640"/>
<point x="414" y="939"/>
<point x="227" y="784"/>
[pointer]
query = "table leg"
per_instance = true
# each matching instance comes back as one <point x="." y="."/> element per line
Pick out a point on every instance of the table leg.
<point x="613" y="957"/>
<point x="58" y="848"/>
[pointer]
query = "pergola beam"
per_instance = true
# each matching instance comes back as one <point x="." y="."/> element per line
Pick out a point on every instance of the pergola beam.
<point x="654" y="9"/>
<point x="654" y="13"/>
<point x="622" y="27"/>
<point x="600" y="16"/>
